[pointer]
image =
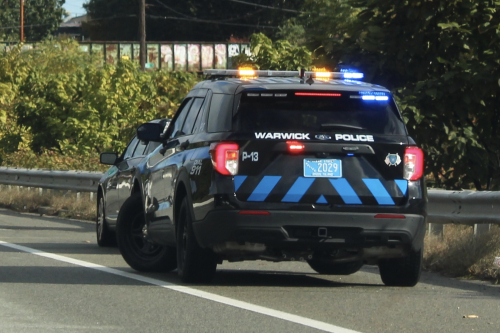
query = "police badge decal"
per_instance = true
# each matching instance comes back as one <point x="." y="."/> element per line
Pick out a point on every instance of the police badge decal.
<point x="393" y="159"/>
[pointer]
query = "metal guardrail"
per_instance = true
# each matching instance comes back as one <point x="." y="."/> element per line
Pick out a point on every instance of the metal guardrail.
<point x="462" y="207"/>
<point x="79" y="181"/>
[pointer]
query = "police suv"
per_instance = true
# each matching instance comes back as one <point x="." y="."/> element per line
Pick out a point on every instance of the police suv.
<point x="279" y="165"/>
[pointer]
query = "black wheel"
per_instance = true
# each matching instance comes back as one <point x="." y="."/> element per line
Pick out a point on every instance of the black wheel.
<point x="105" y="237"/>
<point x="402" y="272"/>
<point x="342" y="268"/>
<point x="194" y="264"/>
<point x="137" y="250"/>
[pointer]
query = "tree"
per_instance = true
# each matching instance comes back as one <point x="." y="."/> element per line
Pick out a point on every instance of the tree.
<point x="190" y="20"/>
<point x="41" y="17"/>
<point x="439" y="58"/>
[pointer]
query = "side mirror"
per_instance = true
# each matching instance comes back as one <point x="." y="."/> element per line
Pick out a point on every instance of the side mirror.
<point x="109" y="158"/>
<point x="150" y="132"/>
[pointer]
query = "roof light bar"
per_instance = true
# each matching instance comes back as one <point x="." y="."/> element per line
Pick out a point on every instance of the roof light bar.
<point x="263" y="73"/>
<point x="318" y="94"/>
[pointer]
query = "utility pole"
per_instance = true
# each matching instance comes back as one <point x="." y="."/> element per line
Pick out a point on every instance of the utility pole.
<point x="142" y="33"/>
<point x="22" y="21"/>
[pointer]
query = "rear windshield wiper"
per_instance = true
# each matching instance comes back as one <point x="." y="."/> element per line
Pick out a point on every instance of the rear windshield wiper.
<point x="342" y="126"/>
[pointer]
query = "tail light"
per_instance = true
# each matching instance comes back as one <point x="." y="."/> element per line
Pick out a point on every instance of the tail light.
<point x="295" y="146"/>
<point x="225" y="157"/>
<point x="414" y="163"/>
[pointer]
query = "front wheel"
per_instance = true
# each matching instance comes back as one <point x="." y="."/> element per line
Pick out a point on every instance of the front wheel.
<point x="137" y="250"/>
<point x="105" y="237"/>
<point x="401" y="272"/>
<point x="342" y="268"/>
<point x="194" y="264"/>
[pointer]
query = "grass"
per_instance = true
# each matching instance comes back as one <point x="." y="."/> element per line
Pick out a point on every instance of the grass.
<point x="461" y="254"/>
<point x="457" y="254"/>
<point x="60" y="203"/>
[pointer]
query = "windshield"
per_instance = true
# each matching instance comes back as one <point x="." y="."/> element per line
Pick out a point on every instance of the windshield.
<point x="286" y="112"/>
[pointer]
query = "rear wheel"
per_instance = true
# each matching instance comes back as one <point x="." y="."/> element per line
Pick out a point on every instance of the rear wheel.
<point x="402" y="272"/>
<point x="342" y="268"/>
<point x="195" y="264"/>
<point x="137" y="250"/>
<point x="105" y="237"/>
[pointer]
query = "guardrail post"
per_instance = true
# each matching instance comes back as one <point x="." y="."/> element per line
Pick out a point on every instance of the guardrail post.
<point x="91" y="196"/>
<point x="435" y="229"/>
<point x="480" y="229"/>
<point x="77" y="196"/>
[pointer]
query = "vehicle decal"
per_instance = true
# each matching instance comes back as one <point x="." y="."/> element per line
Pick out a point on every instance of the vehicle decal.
<point x="346" y="191"/>
<point x="322" y="200"/>
<point x="393" y="159"/>
<point x="254" y="155"/>
<point x="283" y="136"/>
<point x="112" y="171"/>
<point x="352" y="137"/>
<point x="196" y="168"/>
<point x="403" y="185"/>
<point x="350" y="192"/>
<point x="238" y="180"/>
<point x="265" y="187"/>
<point x="323" y="137"/>
<point x="379" y="192"/>
<point x="298" y="189"/>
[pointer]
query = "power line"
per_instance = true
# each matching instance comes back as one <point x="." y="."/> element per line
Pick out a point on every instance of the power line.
<point x="214" y="22"/>
<point x="268" y="7"/>
<point x="190" y="17"/>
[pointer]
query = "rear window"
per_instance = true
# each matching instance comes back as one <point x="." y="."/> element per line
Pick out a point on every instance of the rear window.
<point x="274" y="111"/>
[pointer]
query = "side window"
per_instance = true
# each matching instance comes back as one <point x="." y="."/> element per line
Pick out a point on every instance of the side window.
<point x="151" y="147"/>
<point x="221" y="112"/>
<point x="192" y="115"/>
<point x="202" y="116"/>
<point x="139" y="151"/>
<point x="131" y="148"/>
<point x="177" y="125"/>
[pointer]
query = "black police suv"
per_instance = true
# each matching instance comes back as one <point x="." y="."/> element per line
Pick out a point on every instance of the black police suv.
<point x="267" y="165"/>
<point x="115" y="185"/>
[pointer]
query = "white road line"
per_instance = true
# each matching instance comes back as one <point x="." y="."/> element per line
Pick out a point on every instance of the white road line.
<point x="189" y="291"/>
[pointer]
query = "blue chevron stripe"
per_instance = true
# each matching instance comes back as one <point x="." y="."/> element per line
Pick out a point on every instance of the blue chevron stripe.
<point x="322" y="200"/>
<point x="265" y="187"/>
<point x="403" y="185"/>
<point x="379" y="192"/>
<point x="238" y="180"/>
<point x="345" y="191"/>
<point x="298" y="189"/>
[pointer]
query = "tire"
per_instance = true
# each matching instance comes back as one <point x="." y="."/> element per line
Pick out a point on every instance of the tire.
<point x="194" y="264"/>
<point x="105" y="237"/>
<point x="401" y="272"/>
<point x="141" y="254"/>
<point x="343" y="268"/>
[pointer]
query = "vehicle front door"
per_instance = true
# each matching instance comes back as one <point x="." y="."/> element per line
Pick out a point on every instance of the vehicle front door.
<point x="165" y="172"/>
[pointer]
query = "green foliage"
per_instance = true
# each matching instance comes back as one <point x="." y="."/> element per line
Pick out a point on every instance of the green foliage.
<point x="439" y="58"/>
<point x="280" y="55"/>
<point x="41" y="17"/>
<point x="57" y="99"/>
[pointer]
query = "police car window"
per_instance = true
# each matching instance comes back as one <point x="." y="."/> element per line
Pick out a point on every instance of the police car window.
<point x="177" y="125"/>
<point x="187" y="128"/>
<point x="130" y="149"/>
<point x="285" y="112"/>
<point x="202" y="116"/>
<point x="221" y="108"/>
<point x="139" y="150"/>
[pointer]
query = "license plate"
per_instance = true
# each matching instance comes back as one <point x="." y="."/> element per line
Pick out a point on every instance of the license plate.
<point x="320" y="168"/>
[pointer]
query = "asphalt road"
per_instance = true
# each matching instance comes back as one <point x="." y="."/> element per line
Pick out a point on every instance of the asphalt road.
<point x="54" y="278"/>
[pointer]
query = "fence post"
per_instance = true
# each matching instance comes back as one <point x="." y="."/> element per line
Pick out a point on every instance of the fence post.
<point x="480" y="229"/>
<point x="435" y="229"/>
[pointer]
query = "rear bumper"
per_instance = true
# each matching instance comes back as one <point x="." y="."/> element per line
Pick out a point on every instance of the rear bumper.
<point x="311" y="230"/>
